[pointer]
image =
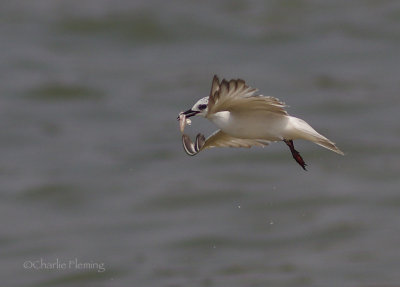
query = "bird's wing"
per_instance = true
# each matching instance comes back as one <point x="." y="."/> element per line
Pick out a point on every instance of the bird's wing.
<point x="221" y="139"/>
<point x="236" y="95"/>
<point x="218" y="139"/>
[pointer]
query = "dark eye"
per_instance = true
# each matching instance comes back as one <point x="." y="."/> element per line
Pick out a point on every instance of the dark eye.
<point x="202" y="107"/>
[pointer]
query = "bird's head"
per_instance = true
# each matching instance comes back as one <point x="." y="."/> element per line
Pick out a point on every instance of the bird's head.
<point x="199" y="108"/>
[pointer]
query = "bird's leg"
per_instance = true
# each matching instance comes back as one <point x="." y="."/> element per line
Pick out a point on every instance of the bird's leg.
<point x="296" y="155"/>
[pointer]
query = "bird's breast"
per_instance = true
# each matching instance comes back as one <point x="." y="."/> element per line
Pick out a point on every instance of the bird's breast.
<point x="223" y="120"/>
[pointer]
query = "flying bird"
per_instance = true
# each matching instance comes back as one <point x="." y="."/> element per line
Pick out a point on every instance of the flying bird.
<point x="247" y="119"/>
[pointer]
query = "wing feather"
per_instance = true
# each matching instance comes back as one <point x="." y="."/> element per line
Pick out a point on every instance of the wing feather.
<point x="218" y="139"/>
<point x="221" y="139"/>
<point x="214" y="90"/>
<point x="235" y="95"/>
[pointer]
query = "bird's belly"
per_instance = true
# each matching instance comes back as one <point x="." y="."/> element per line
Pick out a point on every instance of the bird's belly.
<point x="256" y="126"/>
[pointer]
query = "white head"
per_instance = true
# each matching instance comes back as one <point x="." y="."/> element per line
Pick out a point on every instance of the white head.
<point x="199" y="108"/>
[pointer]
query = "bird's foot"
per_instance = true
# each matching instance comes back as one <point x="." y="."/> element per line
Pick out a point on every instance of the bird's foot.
<point x="296" y="155"/>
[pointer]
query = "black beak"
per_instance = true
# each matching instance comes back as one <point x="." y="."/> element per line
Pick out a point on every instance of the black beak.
<point x="189" y="113"/>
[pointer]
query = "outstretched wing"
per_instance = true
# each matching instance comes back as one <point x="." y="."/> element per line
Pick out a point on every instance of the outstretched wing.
<point x="235" y="95"/>
<point x="221" y="139"/>
<point x="217" y="139"/>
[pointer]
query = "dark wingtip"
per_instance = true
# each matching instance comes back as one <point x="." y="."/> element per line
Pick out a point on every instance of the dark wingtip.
<point x="193" y="148"/>
<point x="188" y="145"/>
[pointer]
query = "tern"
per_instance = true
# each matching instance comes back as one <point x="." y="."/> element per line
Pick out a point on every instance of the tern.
<point x="247" y="119"/>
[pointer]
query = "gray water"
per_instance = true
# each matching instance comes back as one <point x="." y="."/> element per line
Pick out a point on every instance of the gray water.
<point x="96" y="189"/>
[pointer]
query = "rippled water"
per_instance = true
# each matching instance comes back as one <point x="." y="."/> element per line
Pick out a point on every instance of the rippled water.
<point x="97" y="190"/>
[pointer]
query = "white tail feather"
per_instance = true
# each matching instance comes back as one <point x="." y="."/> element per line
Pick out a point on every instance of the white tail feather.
<point x="302" y="130"/>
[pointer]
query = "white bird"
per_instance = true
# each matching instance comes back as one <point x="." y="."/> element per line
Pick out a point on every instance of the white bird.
<point x="247" y="119"/>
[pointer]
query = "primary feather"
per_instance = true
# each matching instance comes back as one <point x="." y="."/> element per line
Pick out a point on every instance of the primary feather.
<point x="236" y="95"/>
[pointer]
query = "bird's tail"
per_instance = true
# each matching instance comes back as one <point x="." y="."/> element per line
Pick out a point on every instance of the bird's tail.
<point x="301" y="129"/>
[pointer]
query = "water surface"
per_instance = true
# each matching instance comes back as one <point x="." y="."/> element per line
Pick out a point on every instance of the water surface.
<point x="93" y="171"/>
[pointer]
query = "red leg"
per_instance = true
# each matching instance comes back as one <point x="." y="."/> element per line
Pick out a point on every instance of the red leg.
<point x="296" y="155"/>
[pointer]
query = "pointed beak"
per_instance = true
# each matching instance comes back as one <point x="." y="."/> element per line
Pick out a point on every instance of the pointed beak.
<point x="189" y="113"/>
